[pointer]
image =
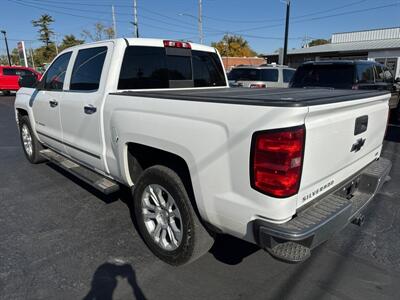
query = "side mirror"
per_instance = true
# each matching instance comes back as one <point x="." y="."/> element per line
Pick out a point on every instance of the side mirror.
<point x="28" y="81"/>
<point x="397" y="80"/>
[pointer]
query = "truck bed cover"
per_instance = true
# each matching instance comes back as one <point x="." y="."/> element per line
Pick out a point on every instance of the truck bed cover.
<point x="287" y="97"/>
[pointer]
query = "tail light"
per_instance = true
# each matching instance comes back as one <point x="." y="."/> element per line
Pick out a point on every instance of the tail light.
<point x="177" y="44"/>
<point x="277" y="161"/>
<point x="257" y="86"/>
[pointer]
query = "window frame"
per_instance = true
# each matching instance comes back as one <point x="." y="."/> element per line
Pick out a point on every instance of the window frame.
<point x="71" y="69"/>
<point x="42" y="84"/>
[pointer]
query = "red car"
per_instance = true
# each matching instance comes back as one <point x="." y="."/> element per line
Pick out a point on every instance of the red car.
<point x="9" y="77"/>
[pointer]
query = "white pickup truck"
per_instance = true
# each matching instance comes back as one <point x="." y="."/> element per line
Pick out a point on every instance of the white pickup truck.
<point x="282" y="168"/>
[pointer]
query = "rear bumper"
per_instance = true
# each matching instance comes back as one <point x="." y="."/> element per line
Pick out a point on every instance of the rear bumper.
<point x="292" y="241"/>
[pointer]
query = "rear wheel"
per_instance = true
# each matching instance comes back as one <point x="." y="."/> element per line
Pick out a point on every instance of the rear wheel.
<point x="166" y="219"/>
<point x="30" y="144"/>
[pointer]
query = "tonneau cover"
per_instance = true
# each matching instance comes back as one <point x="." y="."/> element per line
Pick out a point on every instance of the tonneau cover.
<point x="268" y="97"/>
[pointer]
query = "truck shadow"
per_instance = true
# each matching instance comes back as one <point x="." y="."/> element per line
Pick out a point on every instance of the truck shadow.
<point x="105" y="281"/>
<point x="105" y="198"/>
<point x="230" y="250"/>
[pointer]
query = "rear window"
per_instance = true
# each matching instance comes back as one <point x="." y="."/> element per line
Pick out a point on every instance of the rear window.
<point x="250" y="74"/>
<point x="154" y="67"/>
<point x="340" y="76"/>
<point x="16" y="72"/>
<point x="243" y="74"/>
<point x="269" y="75"/>
<point x="365" y="73"/>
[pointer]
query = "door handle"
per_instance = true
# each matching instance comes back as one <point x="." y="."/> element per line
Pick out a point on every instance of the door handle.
<point x="53" y="103"/>
<point x="89" y="109"/>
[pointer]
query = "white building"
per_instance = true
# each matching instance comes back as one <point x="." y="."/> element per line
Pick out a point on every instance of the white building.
<point x="382" y="45"/>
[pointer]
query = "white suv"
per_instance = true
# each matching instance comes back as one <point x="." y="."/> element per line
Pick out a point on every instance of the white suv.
<point x="262" y="76"/>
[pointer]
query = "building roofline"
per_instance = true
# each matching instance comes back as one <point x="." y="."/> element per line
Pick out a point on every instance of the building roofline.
<point x="385" y="28"/>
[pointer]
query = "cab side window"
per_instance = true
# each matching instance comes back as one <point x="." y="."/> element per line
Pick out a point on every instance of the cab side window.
<point x="87" y="69"/>
<point x="379" y="75"/>
<point x="55" y="75"/>
<point x="287" y="75"/>
<point x="9" y="72"/>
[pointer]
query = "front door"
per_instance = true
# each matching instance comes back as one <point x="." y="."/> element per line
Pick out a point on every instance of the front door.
<point x="80" y="108"/>
<point x="45" y="103"/>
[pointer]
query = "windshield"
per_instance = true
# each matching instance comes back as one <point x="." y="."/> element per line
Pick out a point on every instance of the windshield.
<point x="338" y="76"/>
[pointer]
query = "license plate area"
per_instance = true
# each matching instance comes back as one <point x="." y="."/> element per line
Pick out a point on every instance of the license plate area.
<point x="348" y="190"/>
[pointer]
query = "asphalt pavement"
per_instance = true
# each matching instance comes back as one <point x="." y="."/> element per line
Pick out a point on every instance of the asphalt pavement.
<point x="60" y="239"/>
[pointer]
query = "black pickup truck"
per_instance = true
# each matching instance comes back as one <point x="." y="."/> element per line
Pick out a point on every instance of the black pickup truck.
<point x="348" y="74"/>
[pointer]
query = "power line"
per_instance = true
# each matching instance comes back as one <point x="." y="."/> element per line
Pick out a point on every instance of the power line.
<point x="30" y="3"/>
<point x="321" y="17"/>
<point x="282" y="19"/>
<point x="80" y="3"/>
<point x="91" y="18"/>
<point x="107" y="13"/>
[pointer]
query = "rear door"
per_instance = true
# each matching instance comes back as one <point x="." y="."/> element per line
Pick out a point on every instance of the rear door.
<point x="81" y="104"/>
<point x="341" y="139"/>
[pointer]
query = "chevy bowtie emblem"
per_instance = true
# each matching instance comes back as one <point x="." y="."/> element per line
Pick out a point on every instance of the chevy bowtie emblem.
<point x="358" y="145"/>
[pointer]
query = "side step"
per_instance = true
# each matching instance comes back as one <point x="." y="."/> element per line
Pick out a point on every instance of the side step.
<point x="99" y="182"/>
<point x="290" y="252"/>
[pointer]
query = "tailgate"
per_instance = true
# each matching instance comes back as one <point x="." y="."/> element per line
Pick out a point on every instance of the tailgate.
<point x="334" y="148"/>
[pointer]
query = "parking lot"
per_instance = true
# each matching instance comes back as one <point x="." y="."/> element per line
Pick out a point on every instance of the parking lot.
<point x="60" y="239"/>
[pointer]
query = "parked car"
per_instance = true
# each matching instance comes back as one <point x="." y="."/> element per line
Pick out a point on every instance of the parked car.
<point x="284" y="169"/>
<point x="9" y="76"/>
<point x="343" y="74"/>
<point x="260" y="76"/>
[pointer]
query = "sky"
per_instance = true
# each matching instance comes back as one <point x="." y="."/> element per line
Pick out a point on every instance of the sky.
<point x="260" y="22"/>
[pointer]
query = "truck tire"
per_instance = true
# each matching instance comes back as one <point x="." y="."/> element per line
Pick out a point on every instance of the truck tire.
<point x="6" y="93"/>
<point x="166" y="219"/>
<point x="29" y="142"/>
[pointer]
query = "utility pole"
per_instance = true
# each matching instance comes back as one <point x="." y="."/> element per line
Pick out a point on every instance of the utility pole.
<point x="8" y="51"/>
<point x="55" y="42"/>
<point x="114" y="23"/>
<point x="201" y="37"/>
<point x="135" y="20"/>
<point x="286" y="32"/>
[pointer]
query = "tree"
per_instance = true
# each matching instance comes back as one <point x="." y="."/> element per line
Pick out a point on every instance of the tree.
<point x="100" y="32"/>
<point x="3" y="60"/>
<point x="45" y="32"/>
<point x="14" y="56"/>
<point x="44" y="55"/>
<point x="234" y="45"/>
<point x="318" y="42"/>
<point x="69" y="40"/>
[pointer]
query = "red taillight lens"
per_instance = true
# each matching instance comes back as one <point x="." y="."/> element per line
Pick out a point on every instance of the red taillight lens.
<point x="177" y="44"/>
<point x="277" y="160"/>
<point x="257" y="86"/>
